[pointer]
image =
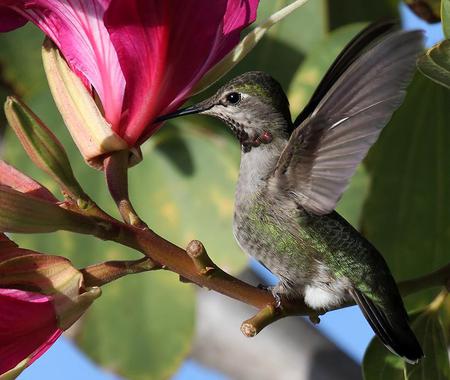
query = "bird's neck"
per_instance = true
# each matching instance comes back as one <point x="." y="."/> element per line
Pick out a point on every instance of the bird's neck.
<point x="256" y="166"/>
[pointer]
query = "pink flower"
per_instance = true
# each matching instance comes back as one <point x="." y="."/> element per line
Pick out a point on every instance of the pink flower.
<point x="28" y="327"/>
<point x="142" y="58"/>
<point x="40" y="297"/>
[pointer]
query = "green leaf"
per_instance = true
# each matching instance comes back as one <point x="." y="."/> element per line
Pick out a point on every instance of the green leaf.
<point x="445" y="15"/>
<point x="435" y="63"/>
<point x="406" y="215"/>
<point x="430" y="333"/>
<point x="381" y="364"/>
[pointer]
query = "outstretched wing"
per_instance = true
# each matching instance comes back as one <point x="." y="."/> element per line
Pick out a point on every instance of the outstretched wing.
<point x="323" y="152"/>
<point x="347" y="56"/>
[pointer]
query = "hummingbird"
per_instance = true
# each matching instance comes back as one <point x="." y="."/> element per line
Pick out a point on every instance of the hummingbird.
<point x="292" y="174"/>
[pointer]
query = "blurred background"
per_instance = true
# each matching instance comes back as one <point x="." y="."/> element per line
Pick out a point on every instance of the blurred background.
<point x="151" y="326"/>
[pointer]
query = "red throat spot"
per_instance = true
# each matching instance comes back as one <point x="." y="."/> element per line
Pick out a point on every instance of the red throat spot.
<point x="266" y="137"/>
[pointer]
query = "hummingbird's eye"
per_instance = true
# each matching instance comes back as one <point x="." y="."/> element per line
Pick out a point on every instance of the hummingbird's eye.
<point x="233" y="97"/>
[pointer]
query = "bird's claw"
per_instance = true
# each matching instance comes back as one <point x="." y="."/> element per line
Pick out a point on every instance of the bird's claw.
<point x="275" y="293"/>
<point x="277" y="299"/>
<point x="265" y="287"/>
<point x="314" y="318"/>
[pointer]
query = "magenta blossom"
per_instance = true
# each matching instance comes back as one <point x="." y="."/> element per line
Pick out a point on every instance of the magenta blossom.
<point x="40" y="297"/>
<point x="28" y="327"/>
<point x="141" y="58"/>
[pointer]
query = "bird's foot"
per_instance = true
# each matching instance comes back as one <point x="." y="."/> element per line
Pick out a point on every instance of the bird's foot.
<point x="277" y="297"/>
<point x="267" y="288"/>
<point x="276" y="293"/>
<point x="314" y="318"/>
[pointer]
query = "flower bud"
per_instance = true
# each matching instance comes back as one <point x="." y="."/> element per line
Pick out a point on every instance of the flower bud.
<point x="42" y="146"/>
<point x="89" y="129"/>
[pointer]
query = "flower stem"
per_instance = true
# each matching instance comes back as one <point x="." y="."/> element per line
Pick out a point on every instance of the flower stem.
<point x="116" y="172"/>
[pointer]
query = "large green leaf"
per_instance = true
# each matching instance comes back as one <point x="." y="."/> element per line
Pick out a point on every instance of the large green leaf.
<point x="379" y="363"/>
<point x="302" y="87"/>
<point x="430" y="333"/>
<point x="406" y="215"/>
<point x="435" y="63"/>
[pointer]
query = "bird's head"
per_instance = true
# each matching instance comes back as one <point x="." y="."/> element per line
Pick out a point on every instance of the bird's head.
<point x="253" y="105"/>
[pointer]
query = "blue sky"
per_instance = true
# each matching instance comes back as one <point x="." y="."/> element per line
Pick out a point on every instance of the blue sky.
<point x="63" y="360"/>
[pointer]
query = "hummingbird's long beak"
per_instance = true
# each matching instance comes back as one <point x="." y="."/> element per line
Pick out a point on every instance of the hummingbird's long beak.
<point x="196" y="108"/>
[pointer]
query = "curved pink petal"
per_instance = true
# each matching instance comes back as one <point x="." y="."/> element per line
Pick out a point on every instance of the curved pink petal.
<point x="11" y="177"/>
<point x="6" y="243"/>
<point x="28" y="326"/>
<point x="10" y="20"/>
<point x="165" y="47"/>
<point x="77" y="28"/>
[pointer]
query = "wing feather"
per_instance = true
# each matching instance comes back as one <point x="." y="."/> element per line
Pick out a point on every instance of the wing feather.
<point x="323" y="152"/>
<point x="348" y="55"/>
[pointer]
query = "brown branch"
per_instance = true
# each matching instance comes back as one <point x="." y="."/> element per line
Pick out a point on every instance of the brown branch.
<point x="194" y="265"/>
<point x="267" y="315"/>
<point x="104" y="273"/>
<point x="189" y="268"/>
<point x="200" y="258"/>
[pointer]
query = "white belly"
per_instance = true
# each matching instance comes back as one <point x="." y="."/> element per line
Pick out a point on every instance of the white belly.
<point x="323" y="297"/>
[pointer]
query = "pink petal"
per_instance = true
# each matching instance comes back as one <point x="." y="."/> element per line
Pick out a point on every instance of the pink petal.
<point x="9" y="249"/>
<point x="165" y="47"/>
<point x="10" y="20"/>
<point x="28" y="326"/>
<point x="11" y="177"/>
<point x="6" y="243"/>
<point x="76" y="26"/>
<point x="239" y="14"/>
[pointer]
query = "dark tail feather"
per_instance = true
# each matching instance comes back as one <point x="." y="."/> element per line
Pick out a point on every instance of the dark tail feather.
<point x="393" y="330"/>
